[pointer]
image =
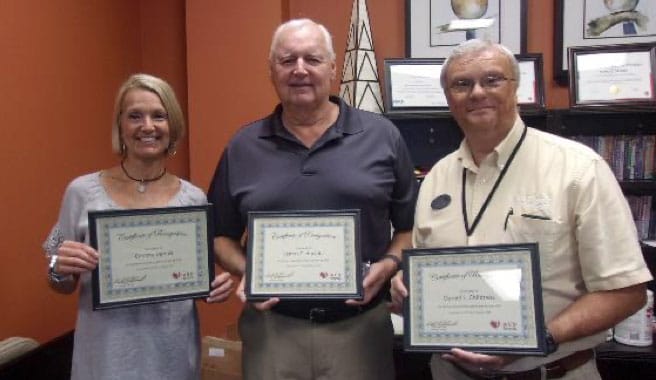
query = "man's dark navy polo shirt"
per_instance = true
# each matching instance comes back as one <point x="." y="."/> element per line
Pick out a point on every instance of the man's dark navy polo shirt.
<point x="360" y="162"/>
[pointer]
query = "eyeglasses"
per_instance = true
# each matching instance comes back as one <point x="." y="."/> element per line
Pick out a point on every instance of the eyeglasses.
<point x="488" y="82"/>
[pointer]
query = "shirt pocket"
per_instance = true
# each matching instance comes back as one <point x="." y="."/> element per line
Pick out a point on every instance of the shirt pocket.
<point x="534" y="228"/>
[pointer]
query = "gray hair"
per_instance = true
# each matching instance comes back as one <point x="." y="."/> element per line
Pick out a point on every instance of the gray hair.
<point x="300" y="23"/>
<point x="475" y="46"/>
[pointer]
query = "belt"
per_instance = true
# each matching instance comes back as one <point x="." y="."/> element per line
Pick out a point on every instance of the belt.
<point x="553" y="370"/>
<point x="322" y="312"/>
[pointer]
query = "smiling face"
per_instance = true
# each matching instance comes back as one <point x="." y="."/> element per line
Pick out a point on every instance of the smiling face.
<point x="144" y="125"/>
<point x="482" y="108"/>
<point x="301" y="68"/>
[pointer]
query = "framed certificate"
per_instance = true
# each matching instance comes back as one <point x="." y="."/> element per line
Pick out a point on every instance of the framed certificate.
<point x="485" y="299"/>
<point x="151" y="255"/>
<point x="304" y="255"/>
<point x="619" y="75"/>
<point x="413" y="85"/>
<point x="530" y="93"/>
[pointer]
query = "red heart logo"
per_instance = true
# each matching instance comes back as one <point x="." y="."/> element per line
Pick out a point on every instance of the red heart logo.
<point x="495" y="324"/>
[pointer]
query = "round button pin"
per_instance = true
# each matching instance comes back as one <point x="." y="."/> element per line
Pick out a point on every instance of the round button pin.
<point x="441" y="202"/>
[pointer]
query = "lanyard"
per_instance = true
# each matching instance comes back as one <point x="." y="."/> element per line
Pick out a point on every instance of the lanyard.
<point x="478" y="217"/>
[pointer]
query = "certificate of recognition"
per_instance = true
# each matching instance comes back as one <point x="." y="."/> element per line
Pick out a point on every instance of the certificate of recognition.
<point x="304" y="255"/>
<point x="613" y="77"/>
<point x="482" y="298"/>
<point x="151" y="255"/>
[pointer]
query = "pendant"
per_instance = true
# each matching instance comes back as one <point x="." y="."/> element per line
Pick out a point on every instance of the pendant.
<point x="141" y="187"/>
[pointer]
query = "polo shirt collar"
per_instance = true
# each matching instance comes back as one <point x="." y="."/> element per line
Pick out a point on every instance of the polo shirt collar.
<point x="501" y="152"/>
<point x="346" y="123"/>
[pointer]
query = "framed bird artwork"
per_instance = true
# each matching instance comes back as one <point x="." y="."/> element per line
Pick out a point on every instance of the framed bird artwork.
<point x="435" y="27"/>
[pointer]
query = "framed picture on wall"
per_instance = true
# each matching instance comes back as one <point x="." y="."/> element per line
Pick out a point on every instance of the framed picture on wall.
<point x="598" y="23"/>
<point x="616" y="75"/>
<point x="530" y="93"/>
<point x="413" y="85"/>
<point x="435" y="27"/>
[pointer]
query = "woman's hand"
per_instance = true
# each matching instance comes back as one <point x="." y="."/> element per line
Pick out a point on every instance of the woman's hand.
<point x="221" y="288"/>
<point x="75" y="258"/>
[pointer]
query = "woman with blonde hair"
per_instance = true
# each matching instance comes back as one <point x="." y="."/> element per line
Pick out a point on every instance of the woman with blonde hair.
<point x="150" y="341"/>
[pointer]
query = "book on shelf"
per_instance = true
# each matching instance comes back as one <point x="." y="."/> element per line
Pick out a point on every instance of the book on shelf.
<point x="631" y="157"/>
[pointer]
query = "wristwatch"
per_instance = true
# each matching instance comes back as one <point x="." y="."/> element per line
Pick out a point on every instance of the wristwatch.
<point x="397" y="262"/>
<point x="552" y="345"/>
<point x="54" y="276"/>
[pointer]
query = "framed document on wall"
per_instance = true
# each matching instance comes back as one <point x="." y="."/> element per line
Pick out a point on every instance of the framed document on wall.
<point x="413" y="85"/>
<point x="530" y="93"/>
<point x="612" y="76"/>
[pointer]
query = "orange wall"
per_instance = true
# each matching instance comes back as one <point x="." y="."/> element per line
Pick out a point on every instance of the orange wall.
<point x="62" y="63"/>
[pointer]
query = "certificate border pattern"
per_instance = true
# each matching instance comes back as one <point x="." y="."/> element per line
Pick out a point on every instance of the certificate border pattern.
<point x="257" y="219"/>
<point x="99" y="225"/>
<point x="522" y="338"/>
<point x="311" y="287"/>
<point x="112" y="293"/>
<point x="533" y="339"/>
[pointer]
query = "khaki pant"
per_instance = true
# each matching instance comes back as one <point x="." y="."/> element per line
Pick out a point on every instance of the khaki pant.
<point x="444" y="370"/>
<point x="277" y="347"/>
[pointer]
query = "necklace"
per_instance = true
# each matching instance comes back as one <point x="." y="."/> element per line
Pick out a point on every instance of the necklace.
<point x="141" y="186"/>
<point x="494" y="188"/>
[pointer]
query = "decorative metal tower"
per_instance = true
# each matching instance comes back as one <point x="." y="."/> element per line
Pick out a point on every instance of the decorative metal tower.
<point x="360" y="86"/>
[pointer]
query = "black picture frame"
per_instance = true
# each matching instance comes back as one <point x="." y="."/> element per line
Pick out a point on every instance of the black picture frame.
<point x="573" y="25"/>
<point x="420" y="78"/>
<point x="153" y="242"/>
<point x="465" y="283"/>
<point x="307" y="240"/>
<point x="531" y="67"/>
<point x="418" y="13"/>
<point x="612" y="83"/>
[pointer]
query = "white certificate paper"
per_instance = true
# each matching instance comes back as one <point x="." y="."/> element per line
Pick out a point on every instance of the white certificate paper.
<point x="526" y="92"/>
<point x="150" y="255"/>
<point x="303" y="255"/>
<point x="478" y="300"/>
<point x="611" y="77"/>
<point x="416" y="85"/>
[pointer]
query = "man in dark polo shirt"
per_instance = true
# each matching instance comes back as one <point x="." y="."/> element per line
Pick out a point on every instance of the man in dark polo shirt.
<point x="314" y="152"/>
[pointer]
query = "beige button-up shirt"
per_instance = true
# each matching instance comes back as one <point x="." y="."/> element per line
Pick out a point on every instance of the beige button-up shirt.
<point x="556" y="192"/>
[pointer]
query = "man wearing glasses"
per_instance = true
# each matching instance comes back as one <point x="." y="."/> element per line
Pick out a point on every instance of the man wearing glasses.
<point x="511" y="184"/>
